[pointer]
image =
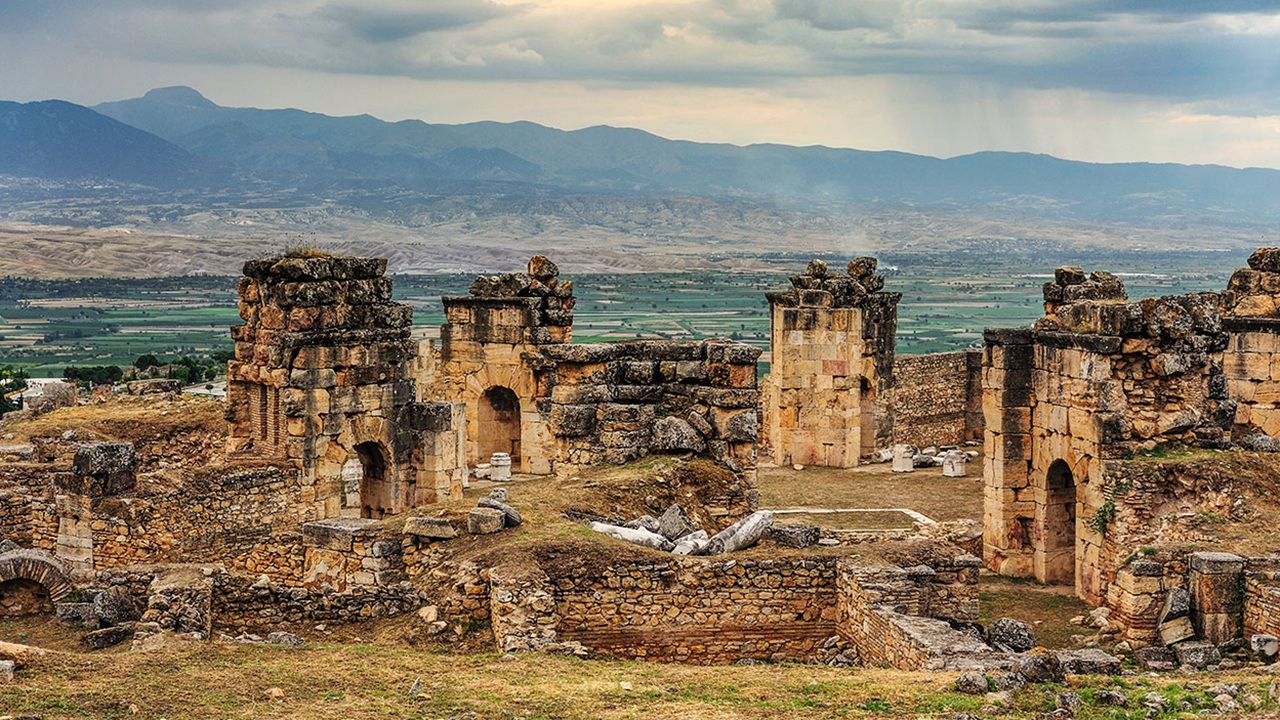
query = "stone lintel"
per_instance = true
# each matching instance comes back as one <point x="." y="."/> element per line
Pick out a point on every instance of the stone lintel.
<point x="1216" y="563"/>
<point x="1007" y="336"/>
<point x="1259" y="325"/>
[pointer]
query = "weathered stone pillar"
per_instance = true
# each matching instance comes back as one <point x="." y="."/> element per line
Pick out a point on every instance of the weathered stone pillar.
<point x="832" y="341"/>
<point x="1217" y="595"/>
<point x="1008" y="498"/>
<point x="98" y="470"/>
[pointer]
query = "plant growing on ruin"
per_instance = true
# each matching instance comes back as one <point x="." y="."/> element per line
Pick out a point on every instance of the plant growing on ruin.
<point x="1102" y="518"/>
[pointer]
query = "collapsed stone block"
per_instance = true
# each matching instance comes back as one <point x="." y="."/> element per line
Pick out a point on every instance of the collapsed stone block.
<point x="432" y="528"/>
<point x="1198" y="655"/>
<point x="101" y="469"/>
<point x="675" y="523"/>
<point x="485" y="521"/>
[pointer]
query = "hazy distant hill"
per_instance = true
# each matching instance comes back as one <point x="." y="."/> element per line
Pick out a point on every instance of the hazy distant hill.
<point x="312" y="150"/>
<point x="63" y="141"/>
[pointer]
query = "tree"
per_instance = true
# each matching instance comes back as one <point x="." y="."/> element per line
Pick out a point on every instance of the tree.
<point x="146" y="360"/>
<point x="11" y="380"/>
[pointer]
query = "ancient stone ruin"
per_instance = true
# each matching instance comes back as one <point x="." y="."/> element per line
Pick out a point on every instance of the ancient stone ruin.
<point x="337" y="492"/>
<point x="325" y="375"/>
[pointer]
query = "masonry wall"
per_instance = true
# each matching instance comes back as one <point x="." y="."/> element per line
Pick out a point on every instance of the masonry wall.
<point x="1251" y="364"/>
<point x="937" y="398"/>
<point x="616" y="402"/>
<point x="1095" y="379"/>
<point x="325" y="377"/>
<point x="700" y="611"/>
<point x="1262" y="596"/>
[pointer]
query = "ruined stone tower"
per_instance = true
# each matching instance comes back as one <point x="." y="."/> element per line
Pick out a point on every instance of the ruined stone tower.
<point x="484" y="361"/>
<point x="1097" y="378"/>
<point x="831" y="379"/>
<point x="324" y="376"/>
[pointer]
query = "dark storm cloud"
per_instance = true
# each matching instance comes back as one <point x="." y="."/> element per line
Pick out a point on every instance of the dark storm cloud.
<point x="1180" y="50"/>
<point x="380" y="24"/>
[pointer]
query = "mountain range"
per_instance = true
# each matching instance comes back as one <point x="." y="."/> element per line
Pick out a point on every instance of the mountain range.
<point x="172" y="182"/>
<point x="175" y="138"/>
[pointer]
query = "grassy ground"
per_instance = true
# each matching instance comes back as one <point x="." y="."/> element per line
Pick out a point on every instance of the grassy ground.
<point x="873" y="486"/>
<point x="225" y="680"/>
<point x="1047" y="608"/>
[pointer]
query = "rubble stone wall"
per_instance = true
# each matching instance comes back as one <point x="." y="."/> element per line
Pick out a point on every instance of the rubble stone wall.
<point x="892" y="616"/>
<point x="701" y="611"/>
<point x="937" y="398"/>
<point x="1261" y="613"/>
<point x="616" y="402"/>
<point x="27" y="507"/>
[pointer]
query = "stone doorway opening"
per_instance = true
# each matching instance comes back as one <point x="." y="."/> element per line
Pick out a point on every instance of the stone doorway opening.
<point x="867" y="417"/>
<point x="377" y="500"/>
<point x="499" y="424"/>
<point x="1059" y="525"/>
<point x="20" y="597"/>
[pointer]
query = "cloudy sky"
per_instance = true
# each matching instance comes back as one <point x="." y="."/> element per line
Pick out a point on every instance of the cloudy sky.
<point x="1195" y="81"/>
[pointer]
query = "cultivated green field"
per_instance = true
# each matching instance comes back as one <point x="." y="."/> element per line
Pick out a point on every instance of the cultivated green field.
<point x="948" y="298"/>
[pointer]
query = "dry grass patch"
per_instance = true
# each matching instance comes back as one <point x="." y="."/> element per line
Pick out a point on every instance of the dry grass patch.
<point x="1047" y="608"/>
<point x="873" y="486"/>
<point x="215" y="680"/>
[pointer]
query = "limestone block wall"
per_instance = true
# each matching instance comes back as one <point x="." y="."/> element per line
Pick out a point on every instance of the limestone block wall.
<point x="937" y="398"/>
<point x="617" y="402"/>
<point x="1251" y="316"/>
<point x="1251" y="364"/>
<point x="342" y="554"/>
<point x="325" y="376"/>
<point x="830" y="390"/>
<point x="1136" y="595"/>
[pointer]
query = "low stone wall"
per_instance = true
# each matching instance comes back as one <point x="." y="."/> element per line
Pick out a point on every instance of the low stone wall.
<point x="700" y="611"/>
<point x="27" y="514"/>
<point x="896" y="617"/>
<point x="938" y="398"/>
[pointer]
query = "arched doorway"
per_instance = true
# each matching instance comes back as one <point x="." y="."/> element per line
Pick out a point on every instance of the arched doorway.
<point x="866" y="417"/>
<point x="498" y="429"/>
<point x="24" y="597"/>
<point x="1059" y="525"/>
<point x="376" y="497"/>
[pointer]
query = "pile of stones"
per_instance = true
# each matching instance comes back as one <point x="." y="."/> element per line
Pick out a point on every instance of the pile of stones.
<point x="676" y="533"/>
<point x="492" y="514"/>
<point x="818" y="287"/>
<point x="555" y="299"/>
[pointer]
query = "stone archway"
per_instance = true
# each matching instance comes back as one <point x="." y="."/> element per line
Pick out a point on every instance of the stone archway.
<point x="1059" y="525"/>
<point x="31" y="581"/>
<point x="377" y="491"/>
<point x="498" y="419"/>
